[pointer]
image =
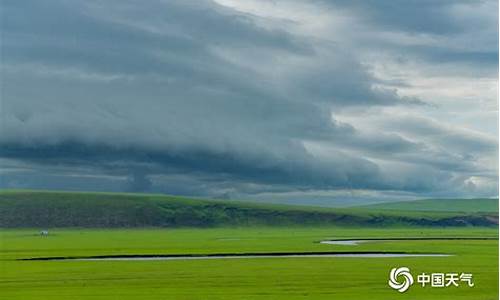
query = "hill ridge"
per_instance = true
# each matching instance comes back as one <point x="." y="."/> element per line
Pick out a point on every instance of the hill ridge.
<point x="111" y="210"/>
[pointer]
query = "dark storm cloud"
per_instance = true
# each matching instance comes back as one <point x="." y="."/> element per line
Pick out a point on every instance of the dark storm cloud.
<point x="301" y="173"/>
<point x="139" y="181"/>
<point x="116" y="43"/>
<point x="195" y="98"/>
<point x="177" y="44"/>
<point x="292" y="167"/>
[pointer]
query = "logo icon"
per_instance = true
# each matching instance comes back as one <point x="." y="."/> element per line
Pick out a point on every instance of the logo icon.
<point x="404" y="273"/>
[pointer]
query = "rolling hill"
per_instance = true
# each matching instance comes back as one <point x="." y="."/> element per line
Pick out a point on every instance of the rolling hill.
<point x="111" y="210"/>
<point x="449" y="205"/>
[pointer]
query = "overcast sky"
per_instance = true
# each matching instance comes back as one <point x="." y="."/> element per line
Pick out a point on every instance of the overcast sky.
<point x="293" y="100"/>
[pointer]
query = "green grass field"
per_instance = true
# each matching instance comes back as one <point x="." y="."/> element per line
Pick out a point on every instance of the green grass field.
<point x="264" y="278"/>
<point x="456" y="205"/>
<point x="230" y="227"/>
<point x="105" y="210"/>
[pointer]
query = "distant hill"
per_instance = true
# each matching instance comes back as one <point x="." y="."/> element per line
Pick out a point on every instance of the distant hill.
<point x="102" y="210"/>
<point x="441" y="205"/>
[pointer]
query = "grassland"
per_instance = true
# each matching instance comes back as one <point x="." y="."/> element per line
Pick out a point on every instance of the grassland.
<point x="193" y="226"/>
<point x="448" y="205"/>
<point x="276" y="278"/>
<point x="105" y="210"/>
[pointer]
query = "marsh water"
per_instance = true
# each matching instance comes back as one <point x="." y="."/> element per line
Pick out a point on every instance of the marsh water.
<point x="237" y="256"/>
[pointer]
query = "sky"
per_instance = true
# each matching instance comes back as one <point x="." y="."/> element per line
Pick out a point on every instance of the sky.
<point x="322" y="102"/>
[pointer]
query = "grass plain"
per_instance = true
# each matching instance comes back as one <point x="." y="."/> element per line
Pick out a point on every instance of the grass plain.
<point x="231" y="227"/>
<point x="105" y="210"/>
<point x="263" y="278"/>
<point x="455" y="205"/>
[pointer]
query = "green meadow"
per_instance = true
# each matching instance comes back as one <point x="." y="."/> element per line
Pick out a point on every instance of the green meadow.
<point x="22" y="208"/>
<point x="261" y="278"/>
<point x="456" y="205"/>
<point x="241" y="278"/>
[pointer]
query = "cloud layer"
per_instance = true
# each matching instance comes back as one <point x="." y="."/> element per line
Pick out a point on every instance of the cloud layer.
<point x="250" y="99"/>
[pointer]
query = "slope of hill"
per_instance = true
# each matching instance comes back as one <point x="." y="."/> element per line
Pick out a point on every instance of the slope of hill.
<point x="69" y="209"/>
<point x="448" y="205"/>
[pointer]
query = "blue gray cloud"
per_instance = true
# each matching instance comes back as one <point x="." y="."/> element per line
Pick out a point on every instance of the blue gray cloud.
<point x="212" y="98"/>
